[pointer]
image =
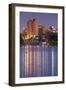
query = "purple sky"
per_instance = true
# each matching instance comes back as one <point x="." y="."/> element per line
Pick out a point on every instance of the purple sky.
<point x="47" y="19"/>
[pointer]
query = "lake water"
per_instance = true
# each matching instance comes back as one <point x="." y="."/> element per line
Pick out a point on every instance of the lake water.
<point x="38" y="61"/>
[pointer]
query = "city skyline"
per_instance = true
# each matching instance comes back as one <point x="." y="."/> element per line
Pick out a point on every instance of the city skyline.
<point x="38" y="44"/>
<point x="45" y="19"/>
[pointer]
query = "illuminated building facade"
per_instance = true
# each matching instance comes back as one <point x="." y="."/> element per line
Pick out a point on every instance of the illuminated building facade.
<point x="35" y="27"/>
<point x="29" y="25"/>
<point x="32" y="26"/>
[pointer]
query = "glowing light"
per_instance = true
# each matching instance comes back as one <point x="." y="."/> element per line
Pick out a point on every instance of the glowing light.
<point x="28" y="35"/>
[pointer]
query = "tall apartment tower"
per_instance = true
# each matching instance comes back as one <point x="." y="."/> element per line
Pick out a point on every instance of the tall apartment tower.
<point x="29" y="25"/>
<point x="32" y="27"/>
<point x="35" y="27"/>
<point x="29" y="28"/>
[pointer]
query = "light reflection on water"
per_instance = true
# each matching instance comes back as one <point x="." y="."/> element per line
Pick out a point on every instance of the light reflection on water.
<point x="38" y="60"/>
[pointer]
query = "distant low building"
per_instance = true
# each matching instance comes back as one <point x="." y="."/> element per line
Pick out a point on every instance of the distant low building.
<point x="52" y="29"/>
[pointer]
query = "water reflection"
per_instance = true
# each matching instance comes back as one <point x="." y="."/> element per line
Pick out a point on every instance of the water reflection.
<point x="38" y="60"/>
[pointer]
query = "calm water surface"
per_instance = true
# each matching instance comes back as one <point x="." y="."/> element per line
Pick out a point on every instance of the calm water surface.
<point x="38" y="60"/>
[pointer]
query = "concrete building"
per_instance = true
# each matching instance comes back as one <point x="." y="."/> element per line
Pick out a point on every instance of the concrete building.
<point x="53" y="29"/>
<point x="29" y="25"/>
<point x="32" y="26"/>
<point x="35" y="27"/>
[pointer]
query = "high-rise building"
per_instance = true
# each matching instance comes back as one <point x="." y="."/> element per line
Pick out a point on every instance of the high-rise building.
<point x="35" y="27"/>
<point x="29" y="25"/>
<point x="32" y="26"/>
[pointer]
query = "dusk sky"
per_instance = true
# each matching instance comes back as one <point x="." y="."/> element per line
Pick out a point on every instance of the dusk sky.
<point x="47" y="19"/>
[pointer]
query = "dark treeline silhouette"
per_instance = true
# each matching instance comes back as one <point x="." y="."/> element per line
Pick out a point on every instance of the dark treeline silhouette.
<point x="51" y="38"/>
